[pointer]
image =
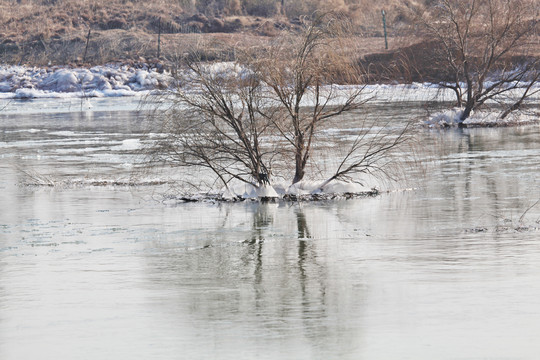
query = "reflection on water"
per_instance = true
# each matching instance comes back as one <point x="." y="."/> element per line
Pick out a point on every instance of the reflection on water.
<point x="104" y="272"/>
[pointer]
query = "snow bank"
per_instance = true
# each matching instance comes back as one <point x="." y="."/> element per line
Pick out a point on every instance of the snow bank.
<point x="21" y="82"/>
<point x="228" y="70"/>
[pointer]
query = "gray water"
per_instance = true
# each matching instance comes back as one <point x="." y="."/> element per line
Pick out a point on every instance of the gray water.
<point x="447" y="270"/>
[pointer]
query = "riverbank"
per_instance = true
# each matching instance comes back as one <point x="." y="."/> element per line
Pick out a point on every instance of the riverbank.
<point x="68" y="32"/>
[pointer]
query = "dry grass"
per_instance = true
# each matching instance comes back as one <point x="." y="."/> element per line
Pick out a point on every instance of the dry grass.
<point x="42" y="32"/>
<point x="41" y="20"/>
<point x="54" y="31"/>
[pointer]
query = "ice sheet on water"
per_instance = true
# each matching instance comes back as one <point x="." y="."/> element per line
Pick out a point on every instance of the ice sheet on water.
<point x="128" y="144"/>
<point x="64" y="133"/>
<point x="32" y="131"/>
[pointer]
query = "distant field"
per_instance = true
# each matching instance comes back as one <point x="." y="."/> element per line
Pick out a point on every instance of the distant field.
<point x="93" y="32"/>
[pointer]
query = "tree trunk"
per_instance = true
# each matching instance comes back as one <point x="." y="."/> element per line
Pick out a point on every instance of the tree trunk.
<point x="459" y="101"/>
<point x="514" y="107"/>
<point x="466" y="112"/>
<point x="469" y="105"/>
<point x="299" y="158"/>
<point x="299" y="171"/>
<point x="470" y="96"/>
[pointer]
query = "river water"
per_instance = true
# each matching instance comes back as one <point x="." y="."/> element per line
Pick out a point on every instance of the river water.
<point x="447" y="270"/>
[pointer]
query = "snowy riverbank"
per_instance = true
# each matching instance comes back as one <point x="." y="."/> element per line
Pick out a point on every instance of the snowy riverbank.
<point x="21" y="82"/>
<point x="122" y="81"/>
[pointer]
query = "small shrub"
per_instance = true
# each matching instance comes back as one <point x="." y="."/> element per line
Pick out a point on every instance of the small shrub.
<point x="116" y="23"/>
<point x="265" y="8"/>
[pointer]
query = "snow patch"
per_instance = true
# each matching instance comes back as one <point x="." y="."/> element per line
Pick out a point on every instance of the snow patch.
<point x="446" y="118"/>
<point x="266" y="191"/>
<point x="322" y="187"/>
<point x="341" y="187"/>
<point x="129" y="144"/>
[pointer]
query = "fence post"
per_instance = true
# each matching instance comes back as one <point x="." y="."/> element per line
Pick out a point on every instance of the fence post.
<point x="159" y="39"/>
<point x="86" y="48"/>
<point x="384" y="26"/>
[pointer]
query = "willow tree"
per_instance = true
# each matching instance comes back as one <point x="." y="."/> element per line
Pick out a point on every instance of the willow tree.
<point x="484" y="48"/>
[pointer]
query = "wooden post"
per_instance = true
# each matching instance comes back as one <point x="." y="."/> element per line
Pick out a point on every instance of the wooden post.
<point x="384" y="26"/>
<point x="159" y="39"/>
<point x="86" y="48"/>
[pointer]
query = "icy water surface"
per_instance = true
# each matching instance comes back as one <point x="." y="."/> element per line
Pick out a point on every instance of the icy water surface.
<point x="105" y="272"/>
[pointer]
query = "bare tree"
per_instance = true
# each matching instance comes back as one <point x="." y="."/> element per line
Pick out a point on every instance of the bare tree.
<point x="213" y="122"/>
<point x="308" y="70"/>
<point x="483" y="49"/>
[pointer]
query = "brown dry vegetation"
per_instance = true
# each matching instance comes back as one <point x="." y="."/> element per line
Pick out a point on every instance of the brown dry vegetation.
<point x="41" y="32"/>
<point x="464" y="38"/>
